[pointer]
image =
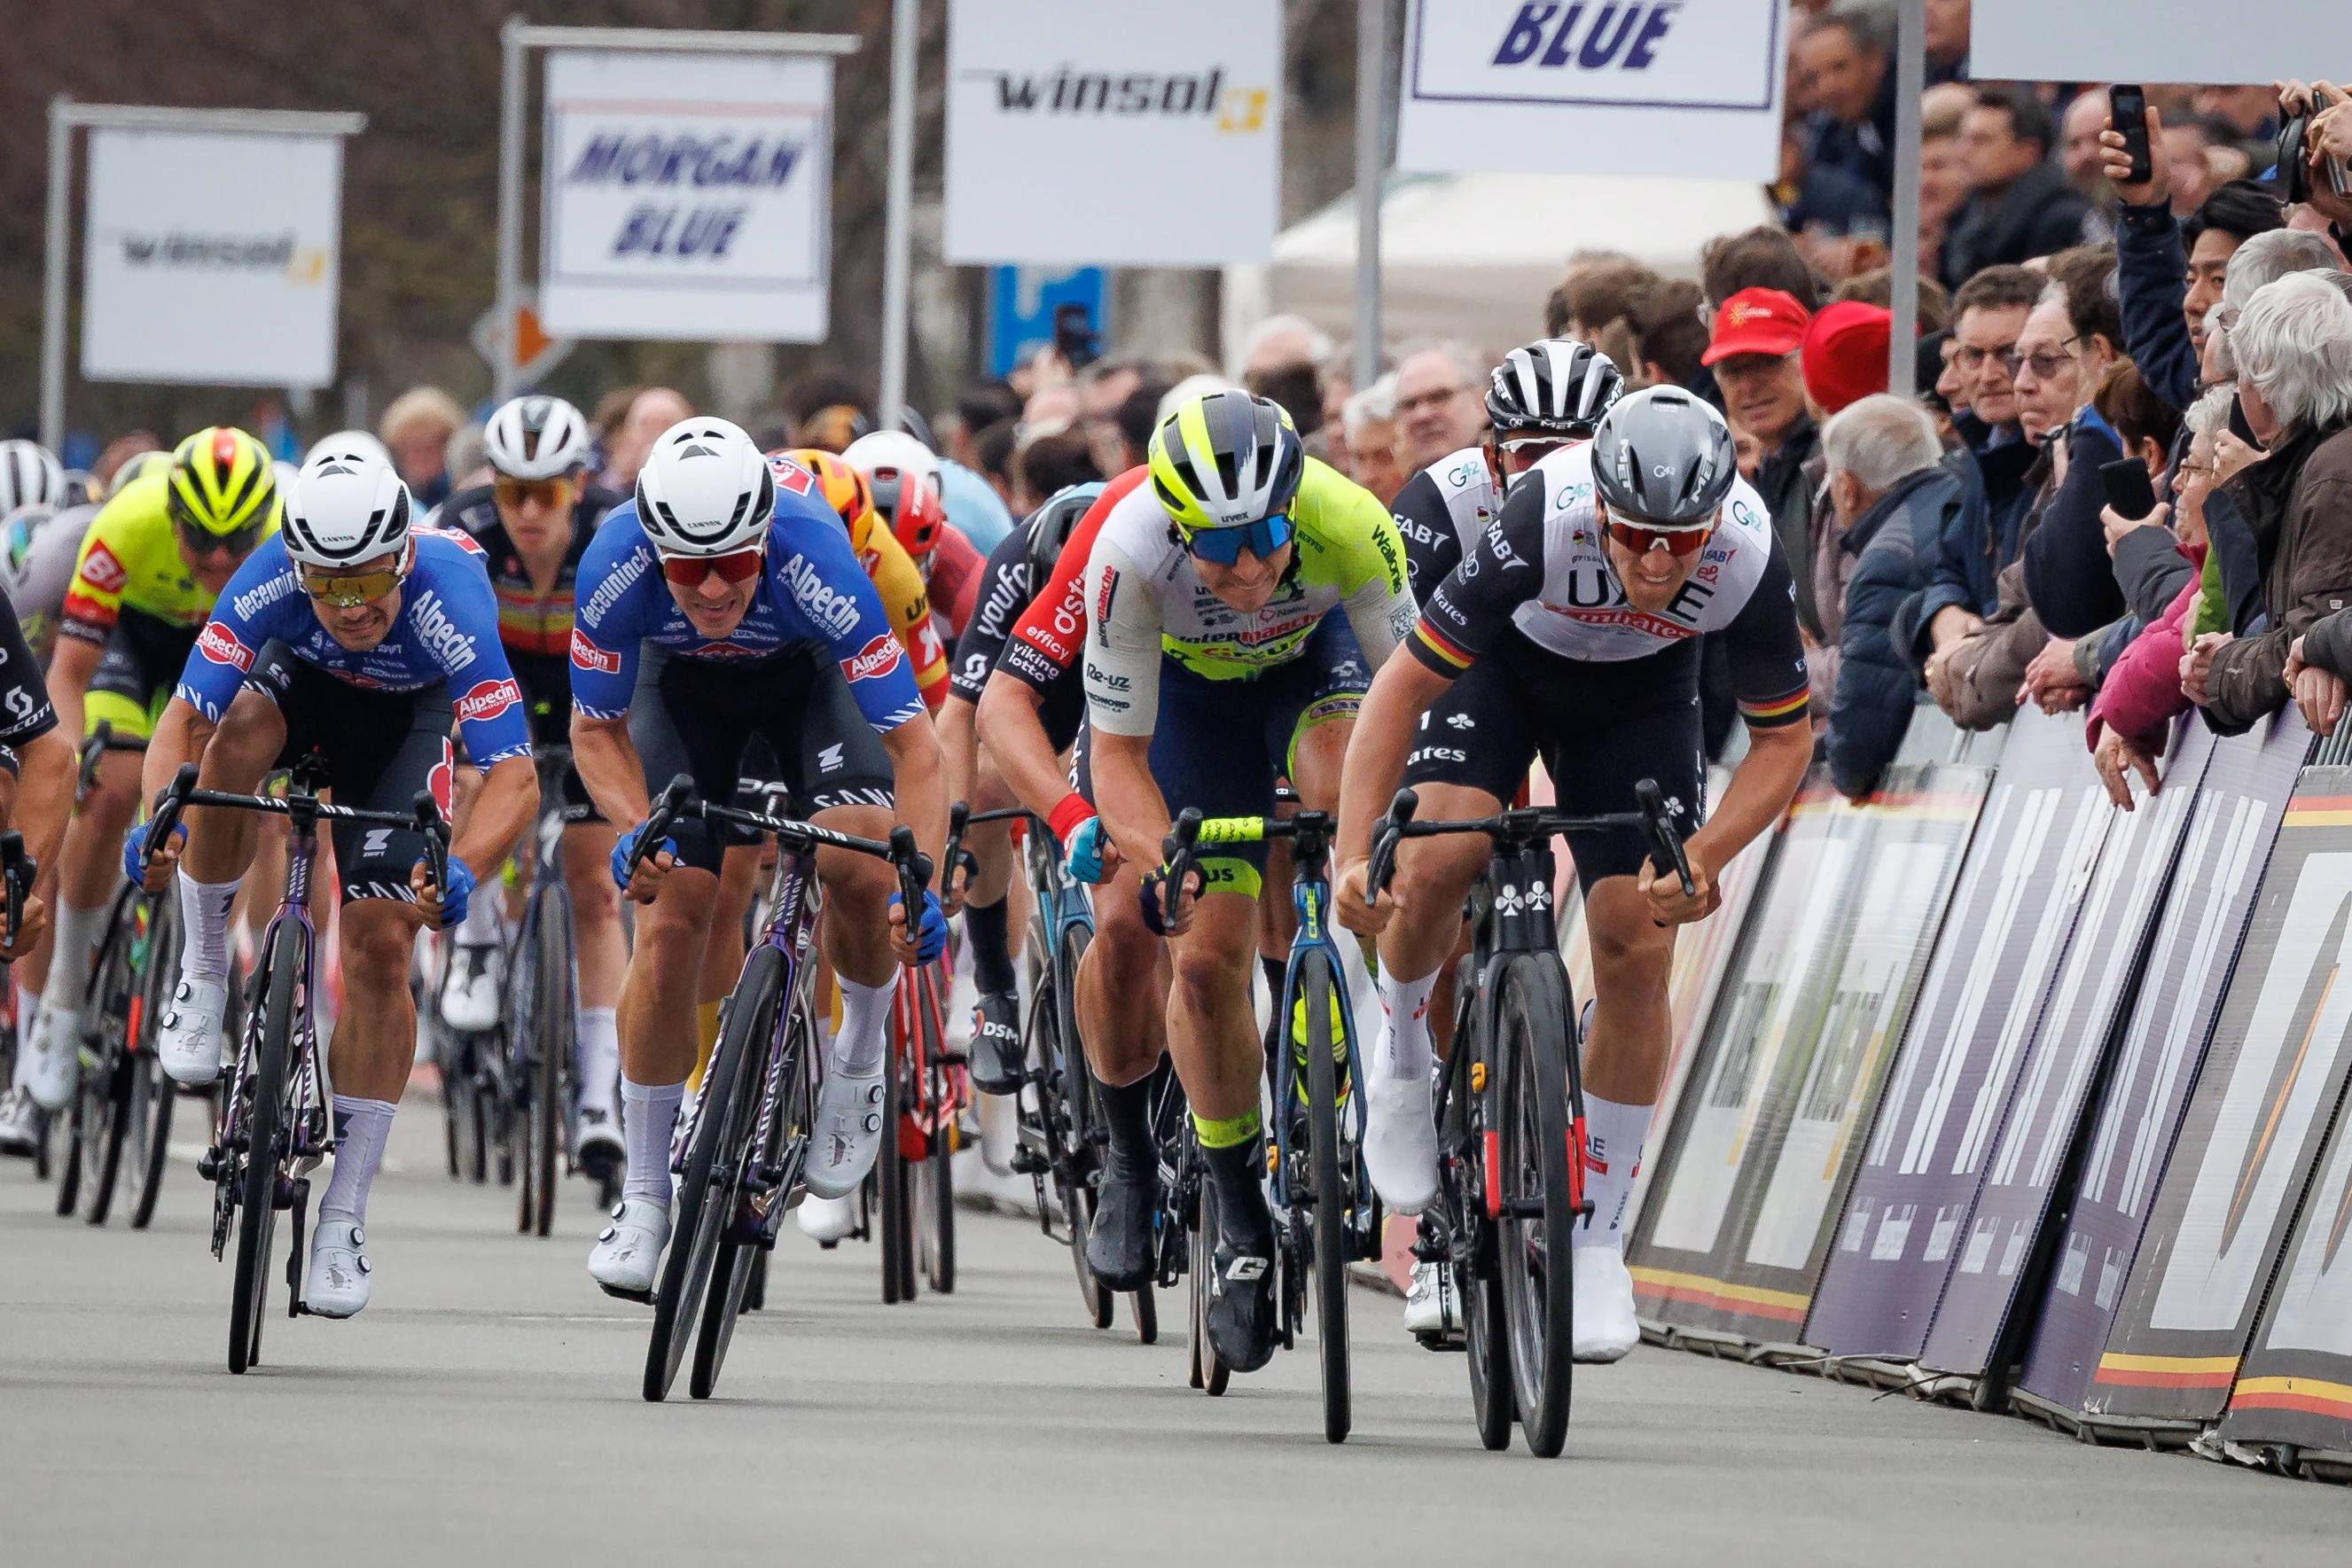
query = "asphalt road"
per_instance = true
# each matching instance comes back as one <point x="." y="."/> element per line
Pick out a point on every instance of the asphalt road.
<point x="485" y="1410"/>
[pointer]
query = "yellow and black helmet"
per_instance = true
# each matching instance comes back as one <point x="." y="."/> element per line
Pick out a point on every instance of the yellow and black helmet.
<point x="1226" y="460"/>
<point x="223" y="484"/>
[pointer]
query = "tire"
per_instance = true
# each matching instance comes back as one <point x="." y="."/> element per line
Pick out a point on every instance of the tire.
<point x="1332" y="1204"/>
<point x="1147" y="1316"/>
<point x="1528" y="1101"/>
<point x="151" y="1091"/>
<point x="65" y="1123"/>
<point x="257" y="1178"/>
<point x="105" y="1095"/>
<point x="554" y="1020"/>
<point x="714" y="1160"/>
<point x="1209" y="1375"/>
<point x="745" y="1280"/>
<point x="895" y="1198"/>
<point x="934" y="1180"/>
<point x="1073" y="1133"/>
<point x="1486" y="1335"/>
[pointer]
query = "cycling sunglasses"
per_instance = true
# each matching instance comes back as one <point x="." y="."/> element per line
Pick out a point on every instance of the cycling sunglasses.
<point x="200" y="541"/>
<point x="1642" y="537"/>
<point x="693" y="571"/>
<point x="349" y="591"/>
<point x="1222" y="547"/>
<point x="548" y="493"/>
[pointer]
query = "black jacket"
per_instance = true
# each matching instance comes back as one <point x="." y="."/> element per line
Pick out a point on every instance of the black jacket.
<point x="1877" y="683"/>
<point x="1980" y="536"/>
<point x="2151" y="285"/>
<point x="2068" y="575"/>
<point x="2038" y="214"/>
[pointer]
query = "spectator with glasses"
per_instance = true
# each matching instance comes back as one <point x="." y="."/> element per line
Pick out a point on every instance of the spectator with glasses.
<point x="1438" y="403"/>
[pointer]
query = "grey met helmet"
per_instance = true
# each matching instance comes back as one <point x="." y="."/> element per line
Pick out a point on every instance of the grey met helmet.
<point x="1553" y="387"/>
<point x="1665" y="457"/>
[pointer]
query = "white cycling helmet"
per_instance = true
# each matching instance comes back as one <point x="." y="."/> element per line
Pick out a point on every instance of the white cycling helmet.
<point x="904" y="475"/>
<point x="136" y="466"/>
<point x="342" y="440"/>
<point x="705" y="489"/>
<point x="346" y="505"/>
<point x="536" y="437"/>
<point x="29" y="477"/>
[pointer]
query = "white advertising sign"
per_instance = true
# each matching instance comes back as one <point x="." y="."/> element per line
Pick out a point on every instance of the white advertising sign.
<point x="1687" y="89"/>
<point x="686" y="196"/>
<point x="2248" y="41"/>
<point x="1113" y="132"/>
<point x="211" y="256"/>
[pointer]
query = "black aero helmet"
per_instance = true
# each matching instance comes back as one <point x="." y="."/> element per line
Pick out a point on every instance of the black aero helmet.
<point x="1050" y="525"/>
<point x="1555" y="386"/>
<point x="1665" y="457"/>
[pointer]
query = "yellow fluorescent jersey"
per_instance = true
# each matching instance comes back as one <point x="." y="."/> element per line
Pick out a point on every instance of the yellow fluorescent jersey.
<point x="131" y="559"/>
<point x="905" y="600"/>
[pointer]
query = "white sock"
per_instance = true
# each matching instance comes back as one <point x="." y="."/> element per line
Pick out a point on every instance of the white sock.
<point x="480" y="927"/>
<point x="360" y="1128"/>
<point x="204" y="916"/>
<point x="26" y="1003"/>
<point x="1404" y="1049"/>
<point x="865" y="1022"/>
<point x="1613" y="1135"/>
<point x="652" y="1117"/>
<point x="78" y="932"/>
<point x="598" y="1060"/>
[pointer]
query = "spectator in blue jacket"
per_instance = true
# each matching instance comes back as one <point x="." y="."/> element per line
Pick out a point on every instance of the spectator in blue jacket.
<point x="1893" y="499"/>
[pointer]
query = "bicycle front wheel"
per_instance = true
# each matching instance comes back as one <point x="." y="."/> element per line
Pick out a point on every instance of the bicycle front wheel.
<point x="150" y="1090"/>
<point x="1528" y="1105"/>
<point x="934" y="1178"/>
<point x="1073" y="1130"/>
<point x="1331" y="1196"/>
<point x="553" y="1028"/>
<point x="105" y="1090"/>
<point x="261" y="1126"/>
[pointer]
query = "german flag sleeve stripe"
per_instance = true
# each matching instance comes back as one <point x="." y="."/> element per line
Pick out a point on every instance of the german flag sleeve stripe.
<point x="1437" y="651"/>
<point x="1772" y="712"/>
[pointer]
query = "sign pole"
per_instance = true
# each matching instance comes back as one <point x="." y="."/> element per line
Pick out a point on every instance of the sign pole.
<point x="53" y="277"/>
<point x="1371" y="101"/>
<point x="905" y="20"/>
<point x="1910" y="86"/>
<point x="513" y="87"/>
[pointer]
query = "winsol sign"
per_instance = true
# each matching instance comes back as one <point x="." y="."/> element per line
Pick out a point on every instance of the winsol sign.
<point x="211" y="256"/>
<point x="1103" y="131"/>
<point x="1674" y="87"/>
<point x="686" y="196"/>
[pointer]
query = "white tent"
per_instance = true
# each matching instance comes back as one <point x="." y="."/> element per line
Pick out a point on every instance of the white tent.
<point x="1473" y="256"/>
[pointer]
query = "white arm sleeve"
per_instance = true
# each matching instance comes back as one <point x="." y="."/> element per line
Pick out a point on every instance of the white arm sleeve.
<point x="1380" y="617"/>
<point x="1122" y="659"/>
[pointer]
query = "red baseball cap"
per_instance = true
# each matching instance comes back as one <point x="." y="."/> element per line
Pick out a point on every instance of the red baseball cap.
<point x="1845" y="353"/>
<point x="1758" y="321"/>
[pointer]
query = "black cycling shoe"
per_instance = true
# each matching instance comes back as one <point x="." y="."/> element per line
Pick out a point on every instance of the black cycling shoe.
<point x="998" y="1063"/>
<point x="1120" y="1248"/>
<point x="1241" y="1325"/>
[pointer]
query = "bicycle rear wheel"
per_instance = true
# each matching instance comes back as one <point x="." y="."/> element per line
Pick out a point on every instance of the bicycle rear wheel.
<point x="714" y="1166"/>
<point x="105" y="1090"/>
<point x="1208" y="1375"/>
<point x="895" y="1182"/>
<point x="1074" y="1083"/>
<point x="152" y="1093"/>
<point x="934" y="1178"/>
<point x="1528" y="1104"/>
<point x="261" y="1128"/>
<point x="1331" y="1197"/>
<point x="553" y="1028"/>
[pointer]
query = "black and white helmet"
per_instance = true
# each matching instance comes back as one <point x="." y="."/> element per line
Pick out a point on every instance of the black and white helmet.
<point x="1665" y="457"/>
<point x="536" y="437"/>
<point x="29" y="477"/>
<point x="705" y="489"/>
<point x="346" y="505"/>
<point x="1555" y="386"/>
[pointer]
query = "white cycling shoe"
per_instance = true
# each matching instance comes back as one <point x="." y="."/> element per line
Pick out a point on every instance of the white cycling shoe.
<point x="827" y="1220"/>
<point x="189" y="1043"/>
<point x="340" y="1270"/>
<point x="627" y="1256"/>
<point x="1605" y="1327"/>
<point x="848" y="1133"/>
<point x="1400" y="1142"/>
<point x="20" y="1125"/>
<point x="53" y="1056"/>
<point x="470" y="1000"/>
<point x="1431" y="1306"/>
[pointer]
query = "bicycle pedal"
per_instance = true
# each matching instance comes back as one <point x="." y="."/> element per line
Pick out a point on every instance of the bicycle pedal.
<point x="1442" y="1341"/>
<point x="643" y="1297"/>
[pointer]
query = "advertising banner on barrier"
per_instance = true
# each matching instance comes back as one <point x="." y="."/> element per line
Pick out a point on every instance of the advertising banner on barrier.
<point x="686" y="196"/>
<point x="2006" y="1250"/>
<point x="2262" y="1106"/>
<point x="212" y="256"/>
<point x="2167" y="40"/>
<point x="2245" y="789"/>
<point x="1795" y="1052"/>
<point x="2036" y="847"/>
<point x="1110" y="133"/>
<point x="1564" y="88"/>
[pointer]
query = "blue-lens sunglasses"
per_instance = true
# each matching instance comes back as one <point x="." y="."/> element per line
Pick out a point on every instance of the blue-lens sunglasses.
<point x="1222" y="547"/>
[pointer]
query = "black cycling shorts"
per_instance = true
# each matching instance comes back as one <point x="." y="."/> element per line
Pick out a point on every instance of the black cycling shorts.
<point x="381" y="747"/>
<point x="547" y="708"/>
<point x="1601" y="729"/>
<point x="140" y="663"/>
<point x="697" y="716"/>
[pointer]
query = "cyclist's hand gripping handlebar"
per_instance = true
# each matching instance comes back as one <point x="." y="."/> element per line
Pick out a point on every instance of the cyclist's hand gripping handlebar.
<point x="435" y="829"/>
<point x="663" y="817"/>
<point x="1177" y="852"/>
<point x="16" y="871"/>
<point x="1665" y="837"/>
<point x="914" y="869"/>
<point x="1384" y="843"/>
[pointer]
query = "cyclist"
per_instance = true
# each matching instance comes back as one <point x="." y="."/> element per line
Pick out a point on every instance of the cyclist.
<point x="150" y="564"/>
<point x="36" y="778"/>
<point x="1546" y="395"/>
<point x="903" y="476"/>
<point x="1213" y="664"/>
<point x="1016" y="568"/>
<point x="718" y="605"/>
<point x="1572" y="631"/>
<point x="349" y="636"/>
<point x="905" y="600"/>
<point x="533" y="522"/>
<point x="31" y="477"/>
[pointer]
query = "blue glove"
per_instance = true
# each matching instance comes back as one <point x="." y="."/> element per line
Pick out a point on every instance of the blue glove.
<point x="931" y="938"/>
<point x="459" y="876"/>
<point x="622" y="849"/>
<point x="134" y="849"/>
<point x="1084" y="864"/>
